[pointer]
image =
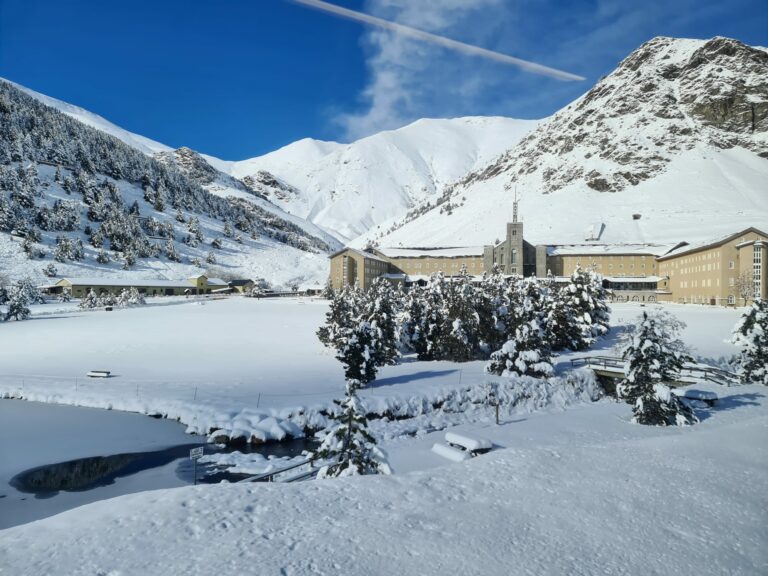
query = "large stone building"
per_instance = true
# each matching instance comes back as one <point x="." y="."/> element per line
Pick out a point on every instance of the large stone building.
<point x="729" y="270"/>
<point x="726" y="271"/>
<point x="513" y="255"/>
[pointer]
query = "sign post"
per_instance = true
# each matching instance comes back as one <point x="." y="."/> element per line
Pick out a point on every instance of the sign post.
<point x="195" y="454"/>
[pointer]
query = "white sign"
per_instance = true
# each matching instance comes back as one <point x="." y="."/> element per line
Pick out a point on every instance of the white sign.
<point x="196" y="453"/>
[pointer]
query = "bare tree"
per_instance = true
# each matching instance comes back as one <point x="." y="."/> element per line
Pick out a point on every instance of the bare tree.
<point x="745" y="286"/>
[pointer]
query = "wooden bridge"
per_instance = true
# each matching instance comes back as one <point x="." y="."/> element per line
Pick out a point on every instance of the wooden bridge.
<point x="613" y="368"/>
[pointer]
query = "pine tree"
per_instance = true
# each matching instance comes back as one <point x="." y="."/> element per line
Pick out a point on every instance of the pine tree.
<point x="348" y="444"/>
<point x="102" y="257"/>
<point x="211" y="258"/>
<point x="461" y="335"/>
<point x="493" y="308"/>
<point x="65" y="295"/>
<point x="341" y="316"/>
<point x="527" y="352"/>
<point x="135" y="298"/>
<point x="90" y="301"/>
<point x="751" y="334"/>
<point x="653" y="353"/>
<point x="380" y="310"/>
<point x="18" y="308"/>
<point x="32" y="294"/>
<point x="525" y="355"/>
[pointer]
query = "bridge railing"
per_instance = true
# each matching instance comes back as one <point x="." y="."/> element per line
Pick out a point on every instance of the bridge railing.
<point x="312" y="465"/>
<point x="690" y="370"/>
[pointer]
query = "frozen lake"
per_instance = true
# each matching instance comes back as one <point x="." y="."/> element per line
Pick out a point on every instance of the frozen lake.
<point x="34" y="434"/>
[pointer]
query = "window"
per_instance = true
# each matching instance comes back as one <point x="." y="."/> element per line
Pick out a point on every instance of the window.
<point x="731" y="265"/>
<point x="731" y="299"/>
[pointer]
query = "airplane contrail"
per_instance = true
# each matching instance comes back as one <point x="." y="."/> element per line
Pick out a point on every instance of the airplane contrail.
<point x="439" y="40"/>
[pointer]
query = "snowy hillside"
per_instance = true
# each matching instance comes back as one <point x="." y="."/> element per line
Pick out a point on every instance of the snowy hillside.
<point x="351" y="189"/>
<point x="678" y="134"/>
<point x="141" y="143"/>
<point x="75" y="201"/>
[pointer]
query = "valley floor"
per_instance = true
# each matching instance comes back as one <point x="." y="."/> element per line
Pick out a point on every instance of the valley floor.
<point x="574" y="491"/>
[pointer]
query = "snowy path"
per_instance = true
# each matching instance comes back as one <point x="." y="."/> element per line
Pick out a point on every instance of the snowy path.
<point x="580" y="492"/>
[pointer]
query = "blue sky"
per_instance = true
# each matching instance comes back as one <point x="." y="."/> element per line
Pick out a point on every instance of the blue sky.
<point x="238" y="78"/>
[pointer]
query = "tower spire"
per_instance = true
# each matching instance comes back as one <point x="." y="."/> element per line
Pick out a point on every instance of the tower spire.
<point x="514" y="207"/>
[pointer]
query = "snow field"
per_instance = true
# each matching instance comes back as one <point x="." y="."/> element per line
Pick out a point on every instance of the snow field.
<point x="254" y="369"/>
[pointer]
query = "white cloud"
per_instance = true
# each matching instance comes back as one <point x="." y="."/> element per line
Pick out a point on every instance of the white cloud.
<point x="410" y="79"/>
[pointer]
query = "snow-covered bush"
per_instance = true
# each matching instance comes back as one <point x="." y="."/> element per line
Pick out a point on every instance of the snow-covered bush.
<point x="129" y="297"/>
<point x="348" y="444"/>
<point x="578" y="312"/>
<point x="653" y="354"/>
<point x="65" y="295"/>
<point x="751" y="334"/>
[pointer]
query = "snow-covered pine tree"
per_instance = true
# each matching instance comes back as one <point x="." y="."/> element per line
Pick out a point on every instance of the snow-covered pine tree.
<point x="102" y="257"/>
<point x="525" y="355"/>
<point x="653" y="353"/>
<point x="50" y="270"/>
<point x="461" y="339"/>
<point x="341" y="315"/>
<point x="31" y="292"/>
<point x="434" y="322"/>
<point x="327" y="292"/>
<point x="567" y="327"/>
<point x="65" y="295"/>
<point x="18" y="304"/>
<point x="107" y="299"/>
<point x="579" y="312"/>
<point x="89" y="301"/>
<point x="356" y="350"/>
<point x="527" y="352"/>
<point x="348" y="444"/>
<point x="492" y="305"/>
<point x="411" y="321"/>
<point x="380" y="308"/>
<point x="211" y="258"/>
<point x="751" y="334"/>
<point x="135" y="298"/>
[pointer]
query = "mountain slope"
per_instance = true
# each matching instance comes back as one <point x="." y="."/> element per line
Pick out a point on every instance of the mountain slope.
<point x="351" y="189"/>
<point x="77" y="201"/>
<point x="677" y="134"/>
<point x="136" y="141"/>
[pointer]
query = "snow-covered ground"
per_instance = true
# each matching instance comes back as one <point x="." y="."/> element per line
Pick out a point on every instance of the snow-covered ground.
<point x="247" y="366"/>
<point x="571" y="487"/>
<point x="579" y="492"/>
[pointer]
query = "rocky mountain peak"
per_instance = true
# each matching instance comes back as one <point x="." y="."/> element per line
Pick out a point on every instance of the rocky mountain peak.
<point x="668" y="96"/>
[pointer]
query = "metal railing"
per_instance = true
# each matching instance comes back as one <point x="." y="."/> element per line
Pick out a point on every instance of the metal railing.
<point x="696" y="372"/>
<point x="272" y="476"/>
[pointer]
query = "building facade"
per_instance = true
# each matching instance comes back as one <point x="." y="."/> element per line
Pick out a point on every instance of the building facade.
<point x="513" y="255"/>
<point x="79" y="287"/>
<point x="727" y="271"/>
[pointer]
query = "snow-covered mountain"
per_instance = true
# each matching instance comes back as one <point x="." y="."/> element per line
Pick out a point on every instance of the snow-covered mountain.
<point x="100" y="123"/>
<point x="677" y="134"/>
<point x="351" y="189"/>
<point x="78" y="201"/>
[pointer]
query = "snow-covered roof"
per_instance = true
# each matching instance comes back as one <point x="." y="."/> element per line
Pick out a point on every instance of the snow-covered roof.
<point x="217" y="282"/>
<point x="156" y="283"/>
<point x="362" y="253"/>
<point x="448" y="252"/>
<point x="685" y="248"/>
<point x="610" y="249"/>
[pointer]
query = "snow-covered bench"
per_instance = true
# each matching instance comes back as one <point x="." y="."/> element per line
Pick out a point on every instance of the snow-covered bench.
<point x="98" y="374"/>
<point x="454" y="454"/>
<point x="470" y="444"/>
<point x="709" y="398"/>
